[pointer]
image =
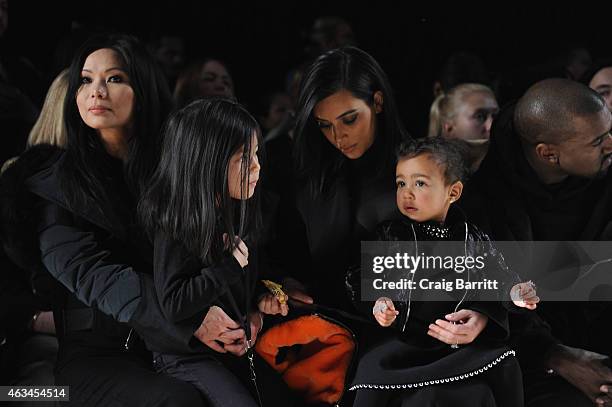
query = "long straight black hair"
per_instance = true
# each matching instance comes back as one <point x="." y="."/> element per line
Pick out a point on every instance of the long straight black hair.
<point x="83" y="177"/>
<point x="356" y="71"/>
<point x="188" y="196"/>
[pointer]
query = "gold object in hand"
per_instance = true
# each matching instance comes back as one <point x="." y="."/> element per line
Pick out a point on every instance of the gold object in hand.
<point x="277" y="290"/>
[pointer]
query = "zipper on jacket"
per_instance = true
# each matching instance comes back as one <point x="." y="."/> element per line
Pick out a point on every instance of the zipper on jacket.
<point x="251" y="356"/>
<point x="126" y="345"/>
<point x="409" y="300"/>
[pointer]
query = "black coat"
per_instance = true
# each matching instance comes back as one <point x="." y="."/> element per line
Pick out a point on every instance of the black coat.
<point x="103" y="263"/>
<point x="506" y="199"/>
<point x="325" y="229"/>
<point x="26" y="287"/>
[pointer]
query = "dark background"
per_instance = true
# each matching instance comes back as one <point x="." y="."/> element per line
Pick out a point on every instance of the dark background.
<point x="261" y="41"/>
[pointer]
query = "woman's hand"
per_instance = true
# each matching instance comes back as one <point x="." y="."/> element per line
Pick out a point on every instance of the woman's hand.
<point x="272" y="305"/>
<point x="219" y="332"/>
<point x="239" y="348"/>
<point x="462" y="327"/>
<point x="42" y="322"/>
<point x="384" y="311"/>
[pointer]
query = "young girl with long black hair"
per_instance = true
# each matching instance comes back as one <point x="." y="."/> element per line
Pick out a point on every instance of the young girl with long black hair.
<point x="201" y="208"/>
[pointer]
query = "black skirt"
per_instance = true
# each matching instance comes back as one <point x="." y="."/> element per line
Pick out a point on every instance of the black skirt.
<point x="399" y="373"/>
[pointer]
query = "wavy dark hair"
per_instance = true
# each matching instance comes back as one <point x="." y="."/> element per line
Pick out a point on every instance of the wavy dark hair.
<point x="188" y="196"/>
<point x="447" y="154"/>
<point x="356" y="71"/>
<point x="83" y="171"/>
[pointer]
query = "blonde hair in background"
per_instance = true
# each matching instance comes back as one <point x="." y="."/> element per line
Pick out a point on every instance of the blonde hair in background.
<point x="50" y="128"/>
<point x="444" y="107"/>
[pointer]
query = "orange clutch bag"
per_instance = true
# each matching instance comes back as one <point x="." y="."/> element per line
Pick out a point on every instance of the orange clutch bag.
<point x="313" y="355"/>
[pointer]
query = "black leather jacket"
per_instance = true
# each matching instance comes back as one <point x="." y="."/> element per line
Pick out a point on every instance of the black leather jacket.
<point x="475" y="243"/>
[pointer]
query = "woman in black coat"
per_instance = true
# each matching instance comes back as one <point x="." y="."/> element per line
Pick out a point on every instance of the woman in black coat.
<point x="347" y="129"/>
<point x="81" y="201"/>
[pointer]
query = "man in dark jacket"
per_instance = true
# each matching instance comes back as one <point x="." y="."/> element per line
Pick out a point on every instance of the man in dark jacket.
<point x="546" y="178"/>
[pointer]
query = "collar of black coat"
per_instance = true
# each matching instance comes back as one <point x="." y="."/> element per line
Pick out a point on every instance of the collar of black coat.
<point x="453" y="228"/>
<point x="43" y="179"/>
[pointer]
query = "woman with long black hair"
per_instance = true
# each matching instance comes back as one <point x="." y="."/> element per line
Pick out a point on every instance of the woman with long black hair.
<point x="347" y="129"/>
<point x="347" y="132"/>
<point x="82" y="205"/>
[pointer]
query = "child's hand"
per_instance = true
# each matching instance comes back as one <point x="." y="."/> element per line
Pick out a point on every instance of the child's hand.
<point x="241" y="252"/>
<point x="384" y="311"/>
<point x="524" y="295"/>
<point x="271" y="305"/>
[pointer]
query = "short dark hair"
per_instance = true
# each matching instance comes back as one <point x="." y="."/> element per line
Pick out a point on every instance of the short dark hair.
<point x="445" y="153"/>
<point x="356" y="71"/>
<point x="546" y="112"/>
<point x="187" y="197"/>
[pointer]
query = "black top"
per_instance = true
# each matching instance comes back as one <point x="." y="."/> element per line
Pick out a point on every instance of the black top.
<point x="322" y="238"/>
<point x="187" y="287"/>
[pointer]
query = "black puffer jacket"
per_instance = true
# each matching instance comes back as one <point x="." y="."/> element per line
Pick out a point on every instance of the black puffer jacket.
<point x="104" y="264"/>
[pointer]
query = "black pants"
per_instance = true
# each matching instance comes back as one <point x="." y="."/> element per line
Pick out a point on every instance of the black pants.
<point x="225" y="380"/>
<point x="120" y="379"/>
<point x="35" y="360"/>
